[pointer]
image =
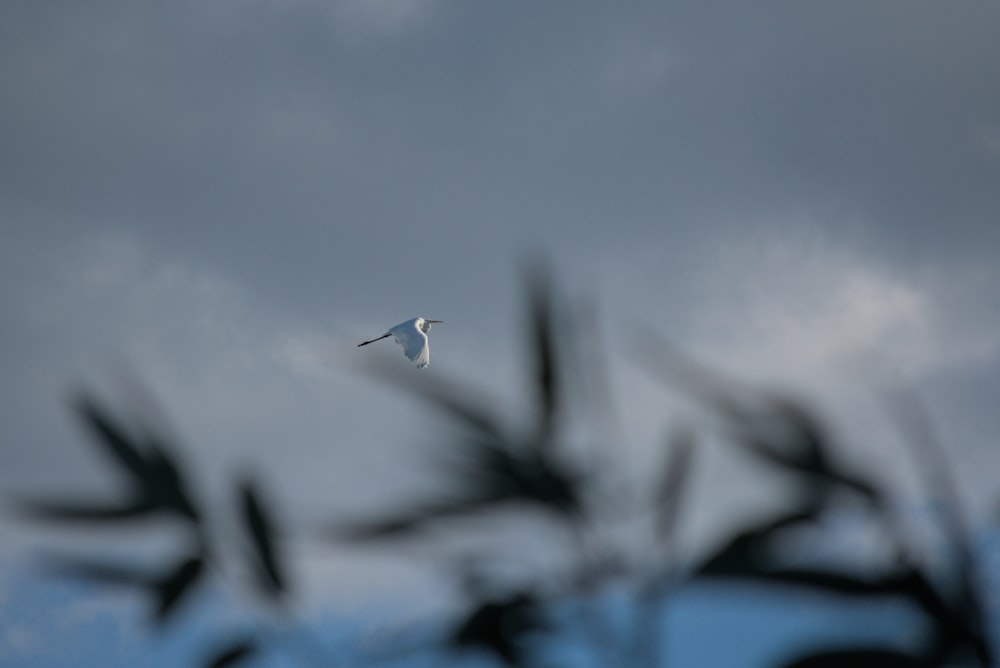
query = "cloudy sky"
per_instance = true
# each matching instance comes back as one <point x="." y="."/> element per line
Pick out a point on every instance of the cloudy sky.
<point x="218" y="200"/>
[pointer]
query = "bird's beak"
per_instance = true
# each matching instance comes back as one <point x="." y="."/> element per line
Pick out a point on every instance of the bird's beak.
<point x="435" y="321"/>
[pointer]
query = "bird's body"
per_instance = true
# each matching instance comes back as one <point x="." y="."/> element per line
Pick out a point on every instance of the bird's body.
<point x="412" y="336"/>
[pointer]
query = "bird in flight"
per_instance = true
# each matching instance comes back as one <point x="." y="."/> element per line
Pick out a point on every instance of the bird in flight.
<point x="412" y="336"/>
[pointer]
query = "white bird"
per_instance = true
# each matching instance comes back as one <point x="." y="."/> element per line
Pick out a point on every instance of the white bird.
<point x="412" y="336"/>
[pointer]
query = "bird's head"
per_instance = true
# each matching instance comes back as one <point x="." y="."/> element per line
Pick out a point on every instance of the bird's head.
<point x="425" y="325"/>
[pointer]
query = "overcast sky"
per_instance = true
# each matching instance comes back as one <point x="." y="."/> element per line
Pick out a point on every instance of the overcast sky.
<point x="222" y="198"/>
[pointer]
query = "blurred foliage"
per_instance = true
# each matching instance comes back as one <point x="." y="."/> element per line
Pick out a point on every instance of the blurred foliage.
<point x="498" y="469"/>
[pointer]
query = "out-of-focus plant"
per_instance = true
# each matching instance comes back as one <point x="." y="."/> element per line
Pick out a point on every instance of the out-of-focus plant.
<point x="534" y="471"/>
<point x="157" y="491"/>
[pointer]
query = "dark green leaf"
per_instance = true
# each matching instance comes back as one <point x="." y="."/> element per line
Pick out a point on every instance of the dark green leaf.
<point x="261" y="529"/>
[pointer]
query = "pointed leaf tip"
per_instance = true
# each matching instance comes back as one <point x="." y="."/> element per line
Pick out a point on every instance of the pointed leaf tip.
<point x="232" y="654"/>
<point x="176" y="585"/>
<point x="260" y="527"/>
<point x="111" y="436"/>
<point x="81" y="511"/>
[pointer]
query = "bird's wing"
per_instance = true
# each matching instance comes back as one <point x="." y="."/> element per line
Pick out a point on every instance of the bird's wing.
<point x="414" y="342"/>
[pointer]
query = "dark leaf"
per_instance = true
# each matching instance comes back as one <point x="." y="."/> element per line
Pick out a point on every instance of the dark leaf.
<point x="929" y="455"/>
<point x="491" y="472"/>
<point x="112" y="437"/>
<point x="665" y="361"/>
<point x="672" y="483"/>
<point x="261" y="529"/>
<point x="858" y="657"/>
<point x="543" y="347"/>
<point x="405" y="523"/>
<point x="784" y="433"/>
<point x="743" y="558"/>
<point x="953" y="627"/>
<point x="756" y="429"/>
<point x="746" y="553"/>
<point x="81" y="511"/>
<point x="474" y="417"/>
<point x="172" y="589"/>
<point x="168" y="590"/>
<point x="841" y="583"/>
<point x="157" y="483"/>
<point x="100" y="572"/>
<point x="450" y="398"/>
<point x="166" y="487"/>
<point x="232" y="654"/>
<point x="501" y="627"/>
<point x="487" y="477"/>
<point x="778" y="430"/>
<point x="749" y="555"/>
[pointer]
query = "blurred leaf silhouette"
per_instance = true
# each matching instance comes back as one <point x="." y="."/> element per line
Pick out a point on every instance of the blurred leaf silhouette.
<point x="156" y="486"/>
<point x="494" y="466"/>
<point x="670" y="490"/>
<point x="504" y="628"/>
<point x="167" y="589"/>
<point x="488" y="476"/>
<point x="270" y="572"/>
<point x="156" y="483"/>
<point x="860" y="658"/>
<point x="546" y="372"/>
<point x="232" y="654"/>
